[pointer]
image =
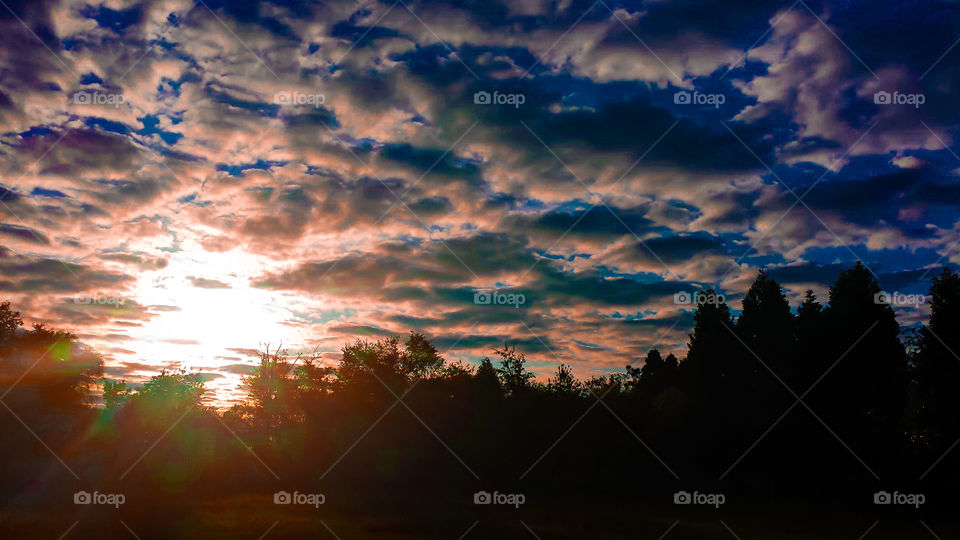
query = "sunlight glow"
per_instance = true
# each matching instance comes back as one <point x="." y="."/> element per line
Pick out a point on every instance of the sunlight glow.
<point x="205" y="314"/>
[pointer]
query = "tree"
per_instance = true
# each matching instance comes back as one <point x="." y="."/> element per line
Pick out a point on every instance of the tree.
<point x="115" y="394"/>
<point x="939" y="339"/>
<point x="372" y="368"/>
<point x="384" y="363"/>
<point x="512" y="372"/>
<point x="767" y="354"/>
<point x="177" y="390"/>
<point x="272" y="389"/>
<point x="766" y="325"/>
<point x="651" y="365"/>
<point x="564" y="383"/>
<point x="486" y="376"/>
<point x="421" y="358"/>
<point x="711" y="351"/>
<point x="9" y="321"/>
<point x="810" y="363"/>
<point x="163" y="399"/>
<point x="604" y="385"/>
<point x="714" y="374"/>
<point x="656" y="374"/>
<point x="63" y="374"/>
<point x="936" y="405"/>
<point x="866" y="390"/>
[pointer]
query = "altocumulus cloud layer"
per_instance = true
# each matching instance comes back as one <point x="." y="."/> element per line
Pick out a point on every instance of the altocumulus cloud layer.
<point x="368" y="167"/>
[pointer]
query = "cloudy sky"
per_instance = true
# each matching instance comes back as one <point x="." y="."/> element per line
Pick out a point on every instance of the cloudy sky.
<point x="183" y="181"/>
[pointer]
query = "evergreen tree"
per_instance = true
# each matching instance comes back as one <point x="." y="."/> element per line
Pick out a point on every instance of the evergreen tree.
<point x="936" y="406"/>
<point x="809" y="362"/>
<point x="710" y="357"/>
<point x="486" y="376"/>
<point x="766" y="325"/>
<point x="710" y="374"/>
<point x="767" y="354"/>
<point x="866" y="390"/>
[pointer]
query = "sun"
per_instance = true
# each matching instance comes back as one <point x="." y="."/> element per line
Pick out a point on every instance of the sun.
<point x="205" y="314"/>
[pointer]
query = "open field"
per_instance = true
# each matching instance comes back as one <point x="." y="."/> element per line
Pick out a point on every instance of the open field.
<point x="257" y="518"/>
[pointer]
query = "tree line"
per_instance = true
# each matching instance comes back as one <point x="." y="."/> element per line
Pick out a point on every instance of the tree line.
<point x="772" y="399"/>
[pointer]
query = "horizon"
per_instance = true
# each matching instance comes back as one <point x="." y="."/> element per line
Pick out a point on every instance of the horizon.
<point x="224" y="392"/>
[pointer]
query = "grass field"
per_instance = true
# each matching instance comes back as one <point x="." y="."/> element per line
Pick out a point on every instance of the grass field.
<point x="258" y="518"/>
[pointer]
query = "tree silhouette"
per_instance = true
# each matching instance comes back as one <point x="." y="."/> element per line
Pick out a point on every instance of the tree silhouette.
<point x="766" y="325"/>
<point x="564" y="383"/>
<point x="372" y="368"/>
<point x="656" y="374"/>
<point x="9" y="322"/>
<point x="512" y="372"/>
<point x="711" y="357"/>
<point x="936" y="405"/>
<point x="714" y="374"/>
<point x="864" y="394"/>
<point x="767" y="350"/>
<point x="272" y="390"/>
<point x="486" y="376"/>
<point x="810" y="362"/>
<point x="421" y="358"/>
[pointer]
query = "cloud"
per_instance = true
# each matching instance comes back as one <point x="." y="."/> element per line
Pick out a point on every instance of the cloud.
<point x="23" y="233"/>
<point x="203" y="283"/>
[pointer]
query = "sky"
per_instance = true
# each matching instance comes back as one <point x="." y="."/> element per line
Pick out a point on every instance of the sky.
<point x="183" y="183"/>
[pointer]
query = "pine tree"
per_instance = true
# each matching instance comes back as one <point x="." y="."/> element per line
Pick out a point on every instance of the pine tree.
<point x="866" y="391"/>
<point x="766" y="325"/>
<point x="809" y="362"/>
<point x="936" y="407"/>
